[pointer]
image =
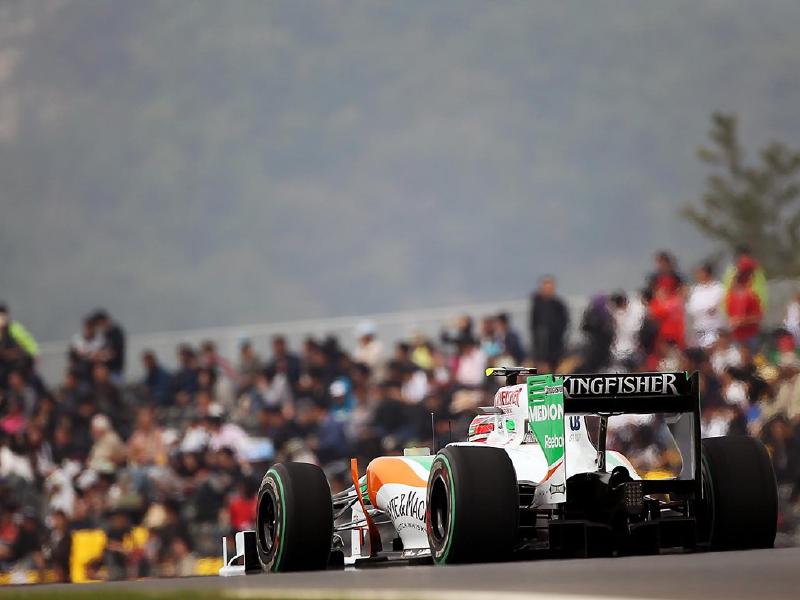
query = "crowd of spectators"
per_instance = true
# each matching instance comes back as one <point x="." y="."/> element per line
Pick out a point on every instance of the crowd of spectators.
<point x="180" y="453"/>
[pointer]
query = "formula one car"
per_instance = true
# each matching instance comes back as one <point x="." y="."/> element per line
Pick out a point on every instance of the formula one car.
<point x="530" y="482"/>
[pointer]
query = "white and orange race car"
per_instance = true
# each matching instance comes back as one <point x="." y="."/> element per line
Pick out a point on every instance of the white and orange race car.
<point x="530" y="481"/>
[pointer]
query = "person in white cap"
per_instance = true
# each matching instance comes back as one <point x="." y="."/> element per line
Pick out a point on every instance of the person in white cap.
<point x="108" y="447"/>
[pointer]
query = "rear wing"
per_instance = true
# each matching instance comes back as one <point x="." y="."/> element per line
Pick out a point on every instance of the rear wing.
<point x="639" y="393"/>
<point x="675" y="395"/>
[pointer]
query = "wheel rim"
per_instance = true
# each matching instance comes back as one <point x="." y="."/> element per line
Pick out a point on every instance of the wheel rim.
<point x="440" y="514"/>
<point x="267" y="522"/>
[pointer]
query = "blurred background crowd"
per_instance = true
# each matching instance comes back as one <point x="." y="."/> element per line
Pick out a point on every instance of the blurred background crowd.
<point x="153" y="472"/>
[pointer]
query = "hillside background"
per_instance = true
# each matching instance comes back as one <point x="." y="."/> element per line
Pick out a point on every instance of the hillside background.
<point x="187" y="164"/>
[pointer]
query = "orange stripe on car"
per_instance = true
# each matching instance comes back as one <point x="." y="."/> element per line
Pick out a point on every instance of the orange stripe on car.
<point x="551" y="471"/>
<point x="389" y="469"/>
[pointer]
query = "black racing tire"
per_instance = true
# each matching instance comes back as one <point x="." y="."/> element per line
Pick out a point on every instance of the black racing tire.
<point x="472" y="504"/>
<point x="294" y="519"/>
<point x="741" y="496"/>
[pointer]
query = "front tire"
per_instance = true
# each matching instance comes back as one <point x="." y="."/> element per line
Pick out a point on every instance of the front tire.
<point x="741" y="496"/>
<point x="294" y="519"/>
<point x="472" y="505"/>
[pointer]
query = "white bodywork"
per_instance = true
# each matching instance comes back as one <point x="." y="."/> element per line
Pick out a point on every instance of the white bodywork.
<point x="405" y="504"/>
<point x="523" y="448"/>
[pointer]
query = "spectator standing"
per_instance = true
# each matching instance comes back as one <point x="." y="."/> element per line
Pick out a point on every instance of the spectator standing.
<point x="85" y="349"/>
<point x="291" y="364"/>
<point x="509" y="338"/>
<point x="113" y="350"/>
<point x="704" y="306"/>
<point x="369" y="350"/>
<point x="597" y="326"/>
<point x="185" y="380"/>
<point x="549" y="320"/>
<point x="667" y="308"/>
<point x="666" y="275"/>
<point x="17" y="346"/>
<point x="744" y="309"/>
<point x="745" y="261"/>
<point x="628" y="315"/>
<point x="250" y="364"/>
<point x="17" y="332"/>
<point x="156" y="380"/>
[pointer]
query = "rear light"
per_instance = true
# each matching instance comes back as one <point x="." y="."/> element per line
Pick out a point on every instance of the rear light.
<point x="480" y="428"/>
<point x="484" y="429"/>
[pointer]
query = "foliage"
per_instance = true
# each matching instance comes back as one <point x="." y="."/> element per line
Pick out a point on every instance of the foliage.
<point x="752" y="204"/>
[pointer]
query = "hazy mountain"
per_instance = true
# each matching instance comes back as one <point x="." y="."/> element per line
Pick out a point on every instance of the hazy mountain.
<point x="189" y="163"/>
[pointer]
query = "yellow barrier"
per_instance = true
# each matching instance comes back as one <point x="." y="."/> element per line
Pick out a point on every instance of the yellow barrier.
<point x="208" y="566"/>
<point x="88" y="546"/>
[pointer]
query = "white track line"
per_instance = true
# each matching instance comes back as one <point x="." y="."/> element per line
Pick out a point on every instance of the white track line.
<point x="403" y="594"/>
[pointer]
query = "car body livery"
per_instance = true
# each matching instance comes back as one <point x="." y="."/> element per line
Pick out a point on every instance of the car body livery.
<point x="529" y="482"/>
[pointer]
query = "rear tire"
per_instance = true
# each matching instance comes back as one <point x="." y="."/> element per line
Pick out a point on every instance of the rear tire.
<point x="741" y="496"/>
<point x="294" y="519"/>
<point x="472" y="505"/>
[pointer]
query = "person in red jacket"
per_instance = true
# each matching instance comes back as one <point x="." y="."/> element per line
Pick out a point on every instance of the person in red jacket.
<point x="667" y="309"/>
<point x="242" y="506"/>
<point x="744" y="310"/>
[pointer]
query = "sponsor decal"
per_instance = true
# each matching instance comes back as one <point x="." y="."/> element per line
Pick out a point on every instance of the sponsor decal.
<point x="575" y="423"/>
<point x="546" y="416"/>
<point x="416" y="552"/>
<point x="553" y="441"/>
<point x="409" y="505"/>
<point x="506" y="396"/>
<point x="546" y="412"/>
<point x="558" y="488"/>
<point x="644" y="384"/>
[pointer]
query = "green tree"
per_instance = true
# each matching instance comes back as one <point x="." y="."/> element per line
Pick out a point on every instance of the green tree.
<point x="757" y="205"/>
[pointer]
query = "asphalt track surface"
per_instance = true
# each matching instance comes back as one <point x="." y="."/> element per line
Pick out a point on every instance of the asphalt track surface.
<point x="762" y="574"/>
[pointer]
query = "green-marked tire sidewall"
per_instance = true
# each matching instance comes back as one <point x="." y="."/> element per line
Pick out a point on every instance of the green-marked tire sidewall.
<point x="295" y="514"/>
<point x="451" y="517"/>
